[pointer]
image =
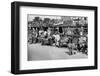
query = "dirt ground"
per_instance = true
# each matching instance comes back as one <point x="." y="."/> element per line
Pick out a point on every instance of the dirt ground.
<point x="43" y="52"/>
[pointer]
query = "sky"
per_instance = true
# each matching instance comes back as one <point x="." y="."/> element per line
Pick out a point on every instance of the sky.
<point x="32" y="16"/>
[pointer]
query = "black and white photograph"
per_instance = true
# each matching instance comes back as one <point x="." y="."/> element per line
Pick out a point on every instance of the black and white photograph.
<point x="54" y="37"/>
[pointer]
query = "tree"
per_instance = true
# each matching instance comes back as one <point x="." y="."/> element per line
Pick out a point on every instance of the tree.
<point x="68" y="22"/>
<point x="36" y="19"/>
<point x="46" y="20"/>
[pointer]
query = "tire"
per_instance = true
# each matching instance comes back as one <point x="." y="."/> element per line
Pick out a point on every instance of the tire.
<point x="30" y="41"/>
<point x="42" y="43"/>
<point x="51" y="42"/>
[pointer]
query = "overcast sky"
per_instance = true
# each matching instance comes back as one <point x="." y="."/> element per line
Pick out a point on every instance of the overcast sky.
<point x="32" y="16"/>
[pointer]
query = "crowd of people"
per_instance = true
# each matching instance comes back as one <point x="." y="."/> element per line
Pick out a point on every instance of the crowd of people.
<point x="75" y="41"/>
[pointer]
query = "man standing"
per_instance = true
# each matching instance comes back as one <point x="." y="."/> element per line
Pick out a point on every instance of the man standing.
<point x="57" y="39"/>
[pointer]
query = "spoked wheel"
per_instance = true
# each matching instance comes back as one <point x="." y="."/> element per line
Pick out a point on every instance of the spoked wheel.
<point x="30" y="41"/>
<point x="42" y="42"/>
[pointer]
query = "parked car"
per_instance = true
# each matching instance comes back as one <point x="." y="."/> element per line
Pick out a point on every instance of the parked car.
<point x="48" y="41"/>
<point x="63" y="41"/>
